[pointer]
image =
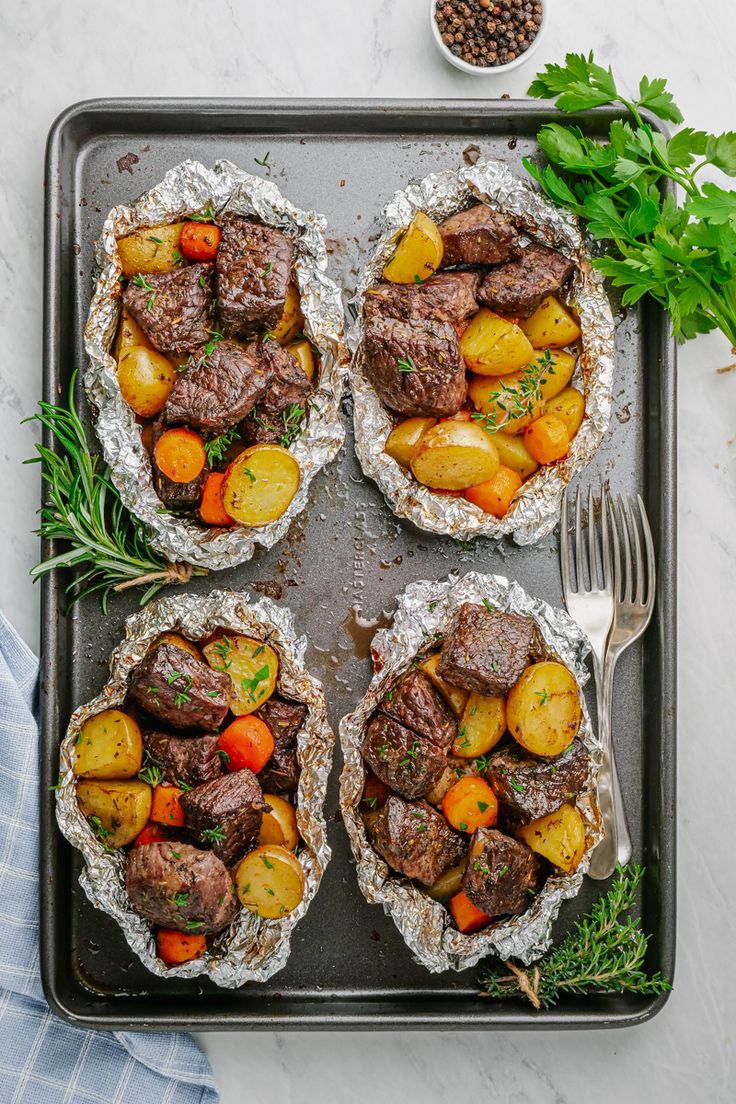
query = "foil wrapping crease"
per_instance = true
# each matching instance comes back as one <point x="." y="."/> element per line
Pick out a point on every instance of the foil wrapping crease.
<point x="251" y="948"/>
<point x="426" y="609"/>
<point x="537" y="506"/>
<point x="188" y="189"/>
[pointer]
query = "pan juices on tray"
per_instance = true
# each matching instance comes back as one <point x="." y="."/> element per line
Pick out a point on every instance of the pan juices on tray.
<point x="194" y="786"/>
<point x="469" y="785"/>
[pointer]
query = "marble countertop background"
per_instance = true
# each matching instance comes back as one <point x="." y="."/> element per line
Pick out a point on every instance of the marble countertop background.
<point x="53" y="54"/>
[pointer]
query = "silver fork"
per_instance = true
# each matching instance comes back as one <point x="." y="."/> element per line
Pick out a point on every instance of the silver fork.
<point x="591" y="604"/>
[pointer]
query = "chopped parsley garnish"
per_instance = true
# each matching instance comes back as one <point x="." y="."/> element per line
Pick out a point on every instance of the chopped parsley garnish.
<point x="181" y="698"/>
<point x="222" y="647"/>
<point x="267" y="269"/>
<point x="543" y="696"/>
<point x="224" y="756"/>
<point x="502" y="872"/>
<point x="213" y="693"/>
<point x="489" y="605"/>
<point x="263" y="161"/>
<point x="433" y="605"/>
<point x="463" y="826"/>
<point x="406" y="364"/>
<point x="518" y="786"/>
<point x="482" y="805"/>
<point x="215" y="336"/>
<point x="176" y="854"/>
<point x="250" y="685"/>
<point x="155" y="240"/>
<point x="180" y="899"/>
<point x="266" y="862"/>
<point x="383" y="752"/>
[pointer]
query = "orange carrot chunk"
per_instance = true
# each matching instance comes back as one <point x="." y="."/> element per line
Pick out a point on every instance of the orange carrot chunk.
<point x="495" y="494"/>
<point x="467" y="917"/>
<point x="547" y="439"/>
<point x="152" y="833"/>
<point x="200" y="241"/>
<point x="180" y="455"/>
<point x="165" y="807"/>
<point x="470" y="804"/>
<point x="211" y="510"/>
<point x="174" y="947"/>
<point x="247" y="742"/>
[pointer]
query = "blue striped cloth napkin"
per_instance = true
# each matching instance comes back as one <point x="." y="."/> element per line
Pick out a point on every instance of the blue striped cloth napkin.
<point x="42" y="1060"/>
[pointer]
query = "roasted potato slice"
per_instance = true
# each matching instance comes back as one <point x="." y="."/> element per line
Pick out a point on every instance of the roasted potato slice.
<point x="559" y="837"/>
<point x="418" y="252"/>
<point x="449" y="884"/>
<point x="145" y="378"/>
<point x="455" y="696"/>
<point x="152" y="249"/>
<point x="253" y="668"/>
<point x="514" y="401"/>
<point x="513" y="453"/>
<point x="551" y="326"/>
<point x="482" y="724"/>
<point x="305" y="353"/>
<point x="179" y="641"/>
<point x="292" y="319"/>
<point x="543" y="710"/>
<point x="493" y="346"/>
<point x="569" y="407"/>
<point x="402" y="441"/>
<point x="128" y="335"/>
<point x="260" y="484"/>
<point x="117" y="811"/>
<point x="279" y="826"/>
<point x="454" y="455"/>
<point x="109" y="745"/>
<point x="270" y="882"/>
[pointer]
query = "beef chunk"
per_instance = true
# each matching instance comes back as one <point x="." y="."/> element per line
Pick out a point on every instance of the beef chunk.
<point x="174" y="309"/>
<point x="219" y="389"/>
<point x="285" y="719"/>
<point x="500" y="874"/>
<point x="528" y="788"/>
<point x="253" y="273"/>
<point x="406" y="762"/>
<point x="176" y="496"/>
<point x="179" y="689"/>
<point x="446" y="297"/>
<point x="415" y="366"/>
<point x="415" y="704"/>
<point x="178" y="886"/>
<point x="416" y="840"/>
<point x="276" y="418"/>
<point x="226" y="814"/>
<point x="188" y="759"/>
<point x="520" y="286"/>
<point x="485" y="651"/>
<point x="478" y="236"/>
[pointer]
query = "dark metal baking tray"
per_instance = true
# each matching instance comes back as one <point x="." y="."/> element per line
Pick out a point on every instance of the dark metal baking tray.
<point x="349" y="968"/>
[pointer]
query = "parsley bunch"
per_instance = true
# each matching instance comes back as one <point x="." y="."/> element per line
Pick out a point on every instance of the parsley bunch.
<point x="682" y="254"/>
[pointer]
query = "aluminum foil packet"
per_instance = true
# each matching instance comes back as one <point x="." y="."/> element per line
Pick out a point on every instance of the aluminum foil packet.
<point x="536" y="508"/>
<point x="189" y="189"/>
<point x="424" y="614"/>
<point x="251" y="948"/>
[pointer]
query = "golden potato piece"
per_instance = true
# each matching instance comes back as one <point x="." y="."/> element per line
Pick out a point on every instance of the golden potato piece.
<point x="513" y="453"/>
<point x="292" y="319"/>
<point x="543" y="709"/>
<point x="559" y="837"/>
<point x="253" y="668"/>
<point x="454" y="455"/>
<point x="493" y="346"/>
<point x="402" y="441"/>
<point x="569" y="407"/>
<point x="449" y="884"/>
<point x="279" y="826"/>
<point x="551" y="326"/>
<point x="482" y="724"/>
<point x="117" y="811"/>
<point x="109" y="746"/>
<point x="260" y="484"/>
<point x="152" y="249"/>
<point x="145" y="378"/>
<point x="180" y="641"/>
<point x="128" y="335"/>
<point x="455" y="696"/>
<point x="305" y="353"/>
<point x="514" y="401"/>
<point x="270" y="882"/>
<point x="417" y="254"/>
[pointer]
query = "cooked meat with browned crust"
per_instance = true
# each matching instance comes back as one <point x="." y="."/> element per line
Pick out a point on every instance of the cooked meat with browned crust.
<point x="178" y="886"/>
<point x="502" y="875"/>
<point x="485" y="650"/>
<point x="528" y="788"/>
<point x="179" y="689"/>
<point x="253" y="274"/>
<point x="276" y="417"/>
<point x="415" y="366"/>
<point x="416" y="840"/>
<point x="444" y="297"/>
<point x="220" y="388"/>
<point x="415" y="703"/>
<point x="517" y="288"/>
<point x="226" y="814"/>
<point x="478" y="236"/>
<point x="407" y="763"/>
<point x="174" y="309"/>
<point x="188" y="759"/>
<point x="285" y="720"/>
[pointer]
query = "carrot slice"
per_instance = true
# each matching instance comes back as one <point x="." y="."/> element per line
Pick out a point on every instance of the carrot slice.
<point x="470" y="804"/>
<point x="211" y="509"/>
<point x="467" y="917"/>
<point x="152" y="833"/>
<point x="247" y="742"/>
<point x="165" y="807"/>
<point x="495" y="494"/>
<point x="174" y="947"/>
<point x="200" y="241"/>
<point x="180" y="455"/>
<point x="547" y="439"/>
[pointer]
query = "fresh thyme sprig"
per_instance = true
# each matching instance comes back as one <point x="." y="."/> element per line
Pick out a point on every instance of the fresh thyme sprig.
<point x="218" y="446"/>
<point x="83" y="509"/>
<point x="521" y="398"/>
<point x="603" y="953"/>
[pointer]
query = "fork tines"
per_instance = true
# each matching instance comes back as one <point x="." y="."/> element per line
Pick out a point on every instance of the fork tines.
<point x="592" y="563"/>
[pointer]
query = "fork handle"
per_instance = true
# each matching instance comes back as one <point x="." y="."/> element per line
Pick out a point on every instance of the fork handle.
<point x="615" y="847"/>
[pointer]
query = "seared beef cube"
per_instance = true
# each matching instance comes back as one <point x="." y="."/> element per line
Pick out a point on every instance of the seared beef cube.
<point x="226" y="814"/>
<point x="416" y="704"/>
<point x="176" y="496"/>
<point x="415" y="366"/>
<point x="188" y="759"/>
<point x="446" y="297"/>
<point x="502" y="874"/>
<point x="179" y="689"/>
<point x="416" y="840"/>
<point x="220" y="388"/>
<point x="253" y="273"/>
<point x="285" y="719"/>
<point x="478" y="236"/>
<point x="528" y="788"/>
<point x="276" y="418"/>
<point x="407" y="763"/>
<point x="178" y="886"/>
<point x="174" y="309"/>
<point x="485" y="651"/>
<point x="520" y="286"/>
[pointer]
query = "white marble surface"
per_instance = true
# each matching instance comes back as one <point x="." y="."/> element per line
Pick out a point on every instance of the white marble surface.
<point x="52" y="54"/>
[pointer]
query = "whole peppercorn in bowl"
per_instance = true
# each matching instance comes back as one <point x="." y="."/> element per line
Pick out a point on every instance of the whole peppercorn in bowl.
<point x="487" y="36"/>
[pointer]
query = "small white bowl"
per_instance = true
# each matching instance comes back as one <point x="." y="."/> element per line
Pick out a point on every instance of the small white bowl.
<point x="486" y="70"/>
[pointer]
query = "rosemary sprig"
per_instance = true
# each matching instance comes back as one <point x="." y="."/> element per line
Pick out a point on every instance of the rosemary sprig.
<point x="603" y="953"/>
<point x="83" y="508"/>
<point x="218" y="446"/>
